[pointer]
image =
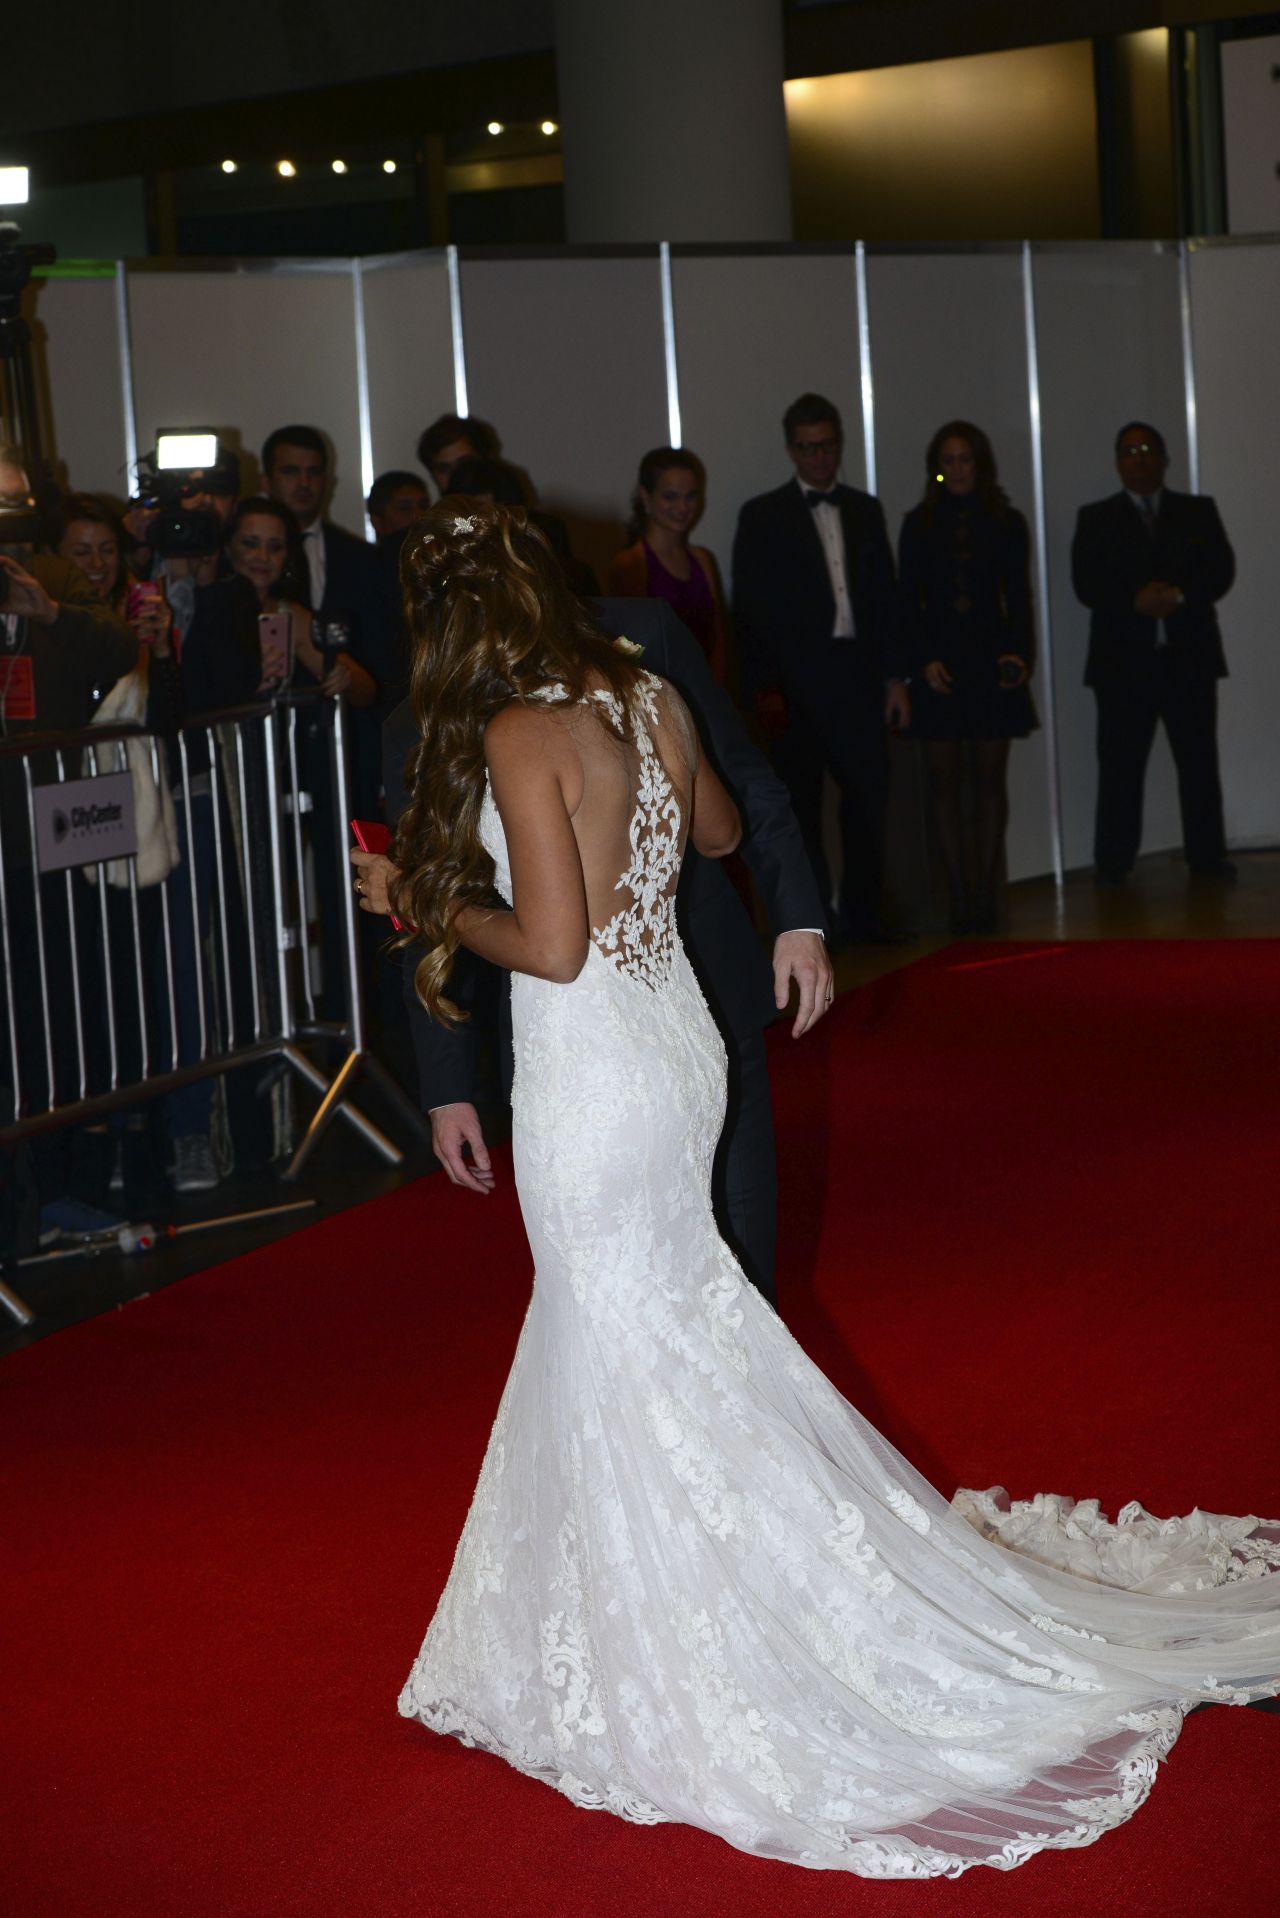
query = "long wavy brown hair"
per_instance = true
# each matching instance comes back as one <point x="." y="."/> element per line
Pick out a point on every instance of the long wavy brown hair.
<point x="490" y="620"/>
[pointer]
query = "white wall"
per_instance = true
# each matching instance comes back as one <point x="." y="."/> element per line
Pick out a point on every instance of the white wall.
<point x="565" y="354"/>
<point x="1235" y="303"/>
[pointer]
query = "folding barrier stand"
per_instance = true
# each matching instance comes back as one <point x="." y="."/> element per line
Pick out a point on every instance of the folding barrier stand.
<point x="80" y="1042"/>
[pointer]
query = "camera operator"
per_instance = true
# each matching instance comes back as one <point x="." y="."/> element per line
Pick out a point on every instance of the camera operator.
<point x="178" y="525"/>
<point x="62" y="649"/>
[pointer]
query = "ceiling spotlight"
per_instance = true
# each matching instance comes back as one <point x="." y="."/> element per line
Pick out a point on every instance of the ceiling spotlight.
<point x="388" y="166"/>
<point x="495" y="127"/>
<point x="339" y="166"/>
<point x="230" y="166"/>
<point x="549" y="127"/>
<point x="286" y="169"/>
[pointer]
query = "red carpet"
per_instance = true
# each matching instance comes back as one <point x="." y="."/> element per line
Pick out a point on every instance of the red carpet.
<point x="1029" y="1221"/>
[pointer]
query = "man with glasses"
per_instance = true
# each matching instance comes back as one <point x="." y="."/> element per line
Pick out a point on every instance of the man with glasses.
<point x="815" y="608"/>
<point x="1150" y="564"/>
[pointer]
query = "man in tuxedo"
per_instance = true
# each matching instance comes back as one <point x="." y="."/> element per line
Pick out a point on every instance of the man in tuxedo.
<point x="814" y="602"/>
<point x="1150" y="565"/>
<point x="721" y="942"/>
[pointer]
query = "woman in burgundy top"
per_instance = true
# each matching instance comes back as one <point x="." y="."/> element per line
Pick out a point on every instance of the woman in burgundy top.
<point x="660" y="563"/>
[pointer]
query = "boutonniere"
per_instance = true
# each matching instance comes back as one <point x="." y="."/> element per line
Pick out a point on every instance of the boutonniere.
<point x="629" y="647"/>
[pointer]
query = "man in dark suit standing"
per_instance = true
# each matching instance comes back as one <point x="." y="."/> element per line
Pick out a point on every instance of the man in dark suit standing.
<point x="735" y="976"/>
<point x="341" y="583"/>
<point x="815" y="607"/>
<point x="1150" y="564"/>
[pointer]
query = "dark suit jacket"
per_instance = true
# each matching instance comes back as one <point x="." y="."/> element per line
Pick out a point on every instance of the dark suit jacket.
<point x="783" y="605"/>
<point x="355" y="584"/>
<point x="1113" y="557"/>
<point x="720" y="939"/>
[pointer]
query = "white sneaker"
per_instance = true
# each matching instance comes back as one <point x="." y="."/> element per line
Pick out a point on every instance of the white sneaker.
<point x="193" y="1168"/>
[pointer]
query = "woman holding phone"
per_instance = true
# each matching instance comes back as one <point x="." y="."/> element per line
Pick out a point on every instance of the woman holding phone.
<point x="249" y="627"/>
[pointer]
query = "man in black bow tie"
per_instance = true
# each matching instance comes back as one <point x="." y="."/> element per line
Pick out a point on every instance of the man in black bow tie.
<point x="815" y="609"/>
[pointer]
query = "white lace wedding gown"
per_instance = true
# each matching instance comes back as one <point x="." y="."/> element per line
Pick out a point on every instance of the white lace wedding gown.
<point x="694" y="1584"/>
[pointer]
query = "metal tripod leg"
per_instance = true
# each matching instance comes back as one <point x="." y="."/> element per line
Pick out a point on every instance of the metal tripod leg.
<point x="12" y="1303"/>
<point x="333" y="1102"/>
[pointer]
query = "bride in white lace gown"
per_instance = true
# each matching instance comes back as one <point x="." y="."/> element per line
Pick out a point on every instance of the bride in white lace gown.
<point x="694" y="1584"/>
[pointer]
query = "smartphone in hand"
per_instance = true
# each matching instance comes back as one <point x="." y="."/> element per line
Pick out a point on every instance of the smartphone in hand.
<point x="274" y="642"/>
<point x="371" y="835"/>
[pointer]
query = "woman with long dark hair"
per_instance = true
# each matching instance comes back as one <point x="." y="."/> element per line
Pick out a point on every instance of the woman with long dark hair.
<point x="694" y="1584"/>
<point x="963" y="558"/>
<point x="661" y="562"/>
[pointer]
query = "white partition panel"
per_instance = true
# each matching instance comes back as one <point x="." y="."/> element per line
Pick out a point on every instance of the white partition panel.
<point x="409" y="352"/>
<point x="752" y="334"/>
<point x="1109" y="334"/>
<point x="77" y="349"/>
<point x="565" y="359"/>
<point x="948" y="341"/>
<point x="249" y="351"/>
<point x="1235" y="299"/>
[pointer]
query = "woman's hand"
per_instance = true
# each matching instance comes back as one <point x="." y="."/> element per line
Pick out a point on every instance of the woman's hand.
<point x="1009" y="683"/>
<point x="937" y="676"/>
<point x="153" y="623"/>
<point x="375" y="876"/>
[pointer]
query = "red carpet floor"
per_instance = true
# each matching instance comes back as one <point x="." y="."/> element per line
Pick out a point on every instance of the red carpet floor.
<point x="1029" y="1224"/>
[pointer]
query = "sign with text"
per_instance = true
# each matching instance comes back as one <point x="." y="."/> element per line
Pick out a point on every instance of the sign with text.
<point x="85" y="820"/>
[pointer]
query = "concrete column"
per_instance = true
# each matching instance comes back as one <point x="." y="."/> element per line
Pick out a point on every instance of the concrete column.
<point x="672" y="120"/>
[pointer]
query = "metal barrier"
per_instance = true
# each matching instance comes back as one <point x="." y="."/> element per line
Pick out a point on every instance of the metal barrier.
<point x="120" y="985"/>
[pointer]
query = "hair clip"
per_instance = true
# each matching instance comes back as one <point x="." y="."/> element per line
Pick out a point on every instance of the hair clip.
<point x="461" y="525"/>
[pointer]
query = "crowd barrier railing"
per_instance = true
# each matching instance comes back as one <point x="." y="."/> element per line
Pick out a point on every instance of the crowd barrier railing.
<point x="156" y="900"/>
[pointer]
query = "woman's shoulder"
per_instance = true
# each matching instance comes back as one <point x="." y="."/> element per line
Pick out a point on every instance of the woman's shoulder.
<point x="526" y="726"/>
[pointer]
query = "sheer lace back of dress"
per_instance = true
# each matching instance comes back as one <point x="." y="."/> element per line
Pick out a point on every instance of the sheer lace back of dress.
<point x="632" y="824"/>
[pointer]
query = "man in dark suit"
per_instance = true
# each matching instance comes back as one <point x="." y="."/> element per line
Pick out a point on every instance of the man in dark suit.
<point x="721" y="941"/>
<point x="342" y="585"/>
<point x="1150" y="564"/>
<point x="815" y="608"/>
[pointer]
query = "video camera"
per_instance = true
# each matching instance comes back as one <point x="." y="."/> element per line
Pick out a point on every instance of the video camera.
<point x="185" y="466"/>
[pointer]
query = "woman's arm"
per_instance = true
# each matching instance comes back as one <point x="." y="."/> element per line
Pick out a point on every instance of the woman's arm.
<point x="537" y="786"/>
<point x="716" y="827"/>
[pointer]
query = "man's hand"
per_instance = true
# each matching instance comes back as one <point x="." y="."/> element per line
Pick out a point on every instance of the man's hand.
<point x="27" y="596"/>
<point x="452" y="1128"/>
<point x="897" y="706"/>
<point x="802" y="956"/>
<point x="938" y="676"/>
<point x="375" y="875"/>
<point x="1158" y="599"/>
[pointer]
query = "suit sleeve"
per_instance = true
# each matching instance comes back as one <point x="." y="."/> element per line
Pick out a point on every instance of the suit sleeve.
<point x="772" y="844"/>
<point x="1099" y="584"/>
<point x="1206" y="567"/>
<point x="886" y="611"/>
<point x="750" y="603"/>
<point x="913" y="625"/>
<point x="448" y="1056"/>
